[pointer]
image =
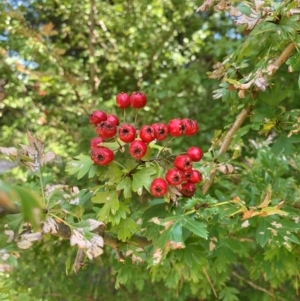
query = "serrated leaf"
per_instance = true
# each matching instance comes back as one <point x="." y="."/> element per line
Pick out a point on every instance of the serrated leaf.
<point x="103" y="197"/>
<point x="195" y="227"/>
<point x="130" y="164"/>
<point x="81" y="165"/>
<point x="111" y="206"/>
<point x="126" y="228"/>
<point x="262" y="233"/>
<point x="125" y="185"/>
<point x="143" y="178"/>
<point x="113" y="174"/>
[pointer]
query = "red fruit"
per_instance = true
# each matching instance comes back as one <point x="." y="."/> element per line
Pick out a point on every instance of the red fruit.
<point x="188" y="189"/>
<point x="102" y="155"/>
<point x="196" y="176"/>
<point x="123" y="100"/>
<point x="191" y="126"/>
<point x="183" y="162"/>
<point x="113" y="119"/>
<point x="95" y="141"/>
<point x="138" y="99"/>
<point x="176" y="127"/>
<point x="174" y="176"/>
<point x="97" y="117"/>
<point x="159" y="187"/>
<point x="195" y="153"/>
<point x="106" y="129"/>
<point x="127" y="133"/>
<point x="188" y="174"/>
<point x="138" y="149"/>
<point x="147" y="133"/>
<point x="160" y="131"/>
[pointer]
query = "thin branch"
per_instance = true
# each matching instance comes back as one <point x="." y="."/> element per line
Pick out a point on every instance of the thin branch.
<point x="282" y="58"/>
<point x="210" y="283"/>
<point x="255" y="286"/>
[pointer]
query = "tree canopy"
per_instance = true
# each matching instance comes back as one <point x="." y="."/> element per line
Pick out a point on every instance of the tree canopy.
<point x="75" y="229"/>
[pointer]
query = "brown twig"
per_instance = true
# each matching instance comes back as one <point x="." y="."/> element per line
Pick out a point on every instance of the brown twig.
<point x="210" y="283"/>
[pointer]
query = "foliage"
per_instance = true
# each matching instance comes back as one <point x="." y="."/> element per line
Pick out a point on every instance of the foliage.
<point x="65" y="219"/>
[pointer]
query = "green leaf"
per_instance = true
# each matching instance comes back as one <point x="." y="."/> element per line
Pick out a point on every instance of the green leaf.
<point x="262" y="233"/>
<point x="228" y="294"/>
<point x="111" y="204"/>
<point x="143" y="178"/>
<point x="125" y="185"/>
<point x="32" y="206"/>
<point x="81" y="165"/>
<point x="285" y="145"/>
<point x="195" y="227"/>
<point x="113" y="174"/>
<point x="126" y="228"/>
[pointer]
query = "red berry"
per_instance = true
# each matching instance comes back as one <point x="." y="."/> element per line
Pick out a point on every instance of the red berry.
<point x="195" y="153"/>
<point x="138" y="149"/>
<point x="159" y="187"/>
<point x="102" y="155"/>
<point x="97" y="116"/>
<point x="95" y="141"/>
<point x="123" y="100"/>
<point x="113" y="119"/>
<point x="176" y="127"/>
<point x="138" y="99"/>
<point x="183" y="162"/>
<point x="147" y="133"/>
<point x="160" y="131"/>
<point x="191" y="126"/>
<point x="106" y="129"/>
<point x="127" y="133"/>
<point x="188" y="189"/>
<point x="196" y="177"/>
<point x="174" y="176"/>
<point x="188" y="174"/>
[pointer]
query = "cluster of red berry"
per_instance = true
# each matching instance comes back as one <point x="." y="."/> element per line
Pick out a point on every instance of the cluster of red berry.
<point x="108" y="126"/>
<point x="183" y="176"/>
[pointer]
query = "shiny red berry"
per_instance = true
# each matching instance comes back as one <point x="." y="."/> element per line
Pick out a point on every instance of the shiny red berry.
<point x="160" y="131"/>
<point x="183" y="162"/>
<point x="176" y="127"/>
<point x="127" y="133"/>
<point x="97" y="117"/>
<point x="174" y="176"/>
<point x="188" y="174"/>
<point x="196" y="177"/>
<point x="96" y="141"/>
<point x="123" y="100"/>
<point x="147" y="133"/>
<point x="138" y="99"/>
<point x="102" y="155"/>
<point x="191" y="126"/>
<point x="137" y="149"/>
<point x="188" y="189"/>
<point x="195" y="153"/>
<point x="159" y="187"/>
<point x="113" y="119"/>
<point x="106" y="129"/>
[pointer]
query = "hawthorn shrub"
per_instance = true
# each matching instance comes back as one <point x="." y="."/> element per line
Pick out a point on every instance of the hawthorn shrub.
<point x="152" y="205"/>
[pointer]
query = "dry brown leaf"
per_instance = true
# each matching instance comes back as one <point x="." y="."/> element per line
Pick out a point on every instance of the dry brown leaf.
<point x="9" y="151"/>
<point x="49" y="156"/>
<point x="267" y="198"/>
